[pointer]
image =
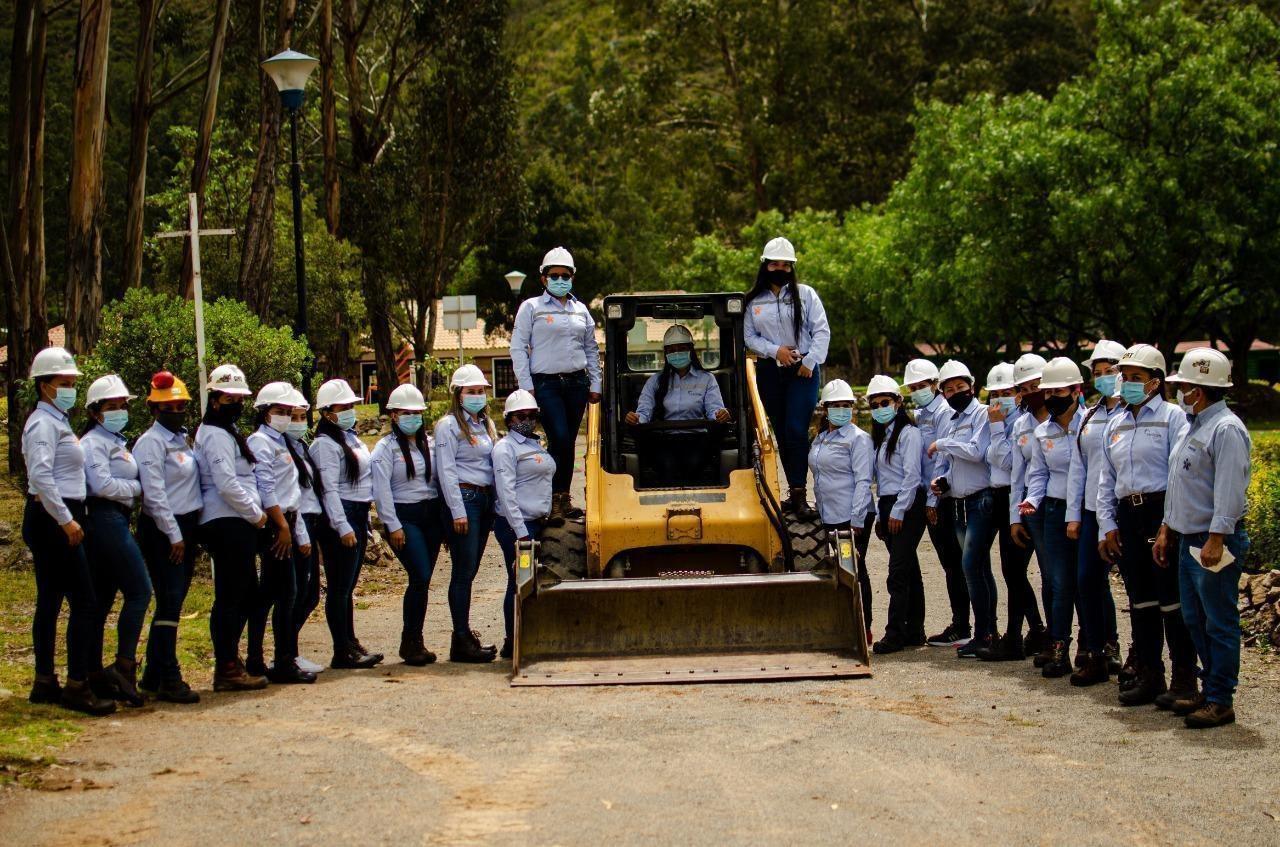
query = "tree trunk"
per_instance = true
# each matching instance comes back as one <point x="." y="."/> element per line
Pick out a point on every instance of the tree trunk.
<point x="256" y="260"/>
<point x="139" y="131"/>
<point x="384" y="353"/>
<point x="204" y="136"/>
<point x="23" y="237"/>
<point x="86" y="199"/>
<point x="428" y="352"/>
<point x="329" y="121"/>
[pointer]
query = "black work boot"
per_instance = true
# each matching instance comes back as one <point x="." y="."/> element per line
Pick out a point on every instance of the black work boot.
<point x="1007" y="649"/>
<point x="1127" y="676"/>
<point x="570" y="511"/>
<point x="1112" y="651"/>
<point x="105" y="685"/>
<point x="126" y="674"/>
<point x="1183" y="684"/>
<point x="45" y="689"/>
<point x="1094" y="671"/>
<point x="352" y="659"/>
<point x="288" y="673"/>
<point x="1036" y="642"/>
<point x="176" y="691"/>
<point x="798" y="505"/>
<point x="414" y="652"/>
<point x="466" y="647"/>
<point x="1059" y="664"/>
<point x="507" y="651"/>
<point x="1149" y="685"/>
<point x="1082" y="655"/>
<point x="78" y="696"/>
<point x="359" y="648"/>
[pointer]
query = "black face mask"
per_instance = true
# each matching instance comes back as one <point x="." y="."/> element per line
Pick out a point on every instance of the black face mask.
<point x="1034" y="401"/>
<point x="778" y="278"/>
<point x="960" y="401"/>
<point x="229" y="413"/>
<point x="1058" y="406"/>
<point x="172" y="421"/>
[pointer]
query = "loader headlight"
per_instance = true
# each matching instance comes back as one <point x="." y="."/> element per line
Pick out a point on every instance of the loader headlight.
<point x="614" y="312"/>
<point x="735" y="306"/>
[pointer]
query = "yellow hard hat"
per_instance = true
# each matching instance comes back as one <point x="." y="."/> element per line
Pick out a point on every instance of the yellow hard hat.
<point x="165" y="387"/>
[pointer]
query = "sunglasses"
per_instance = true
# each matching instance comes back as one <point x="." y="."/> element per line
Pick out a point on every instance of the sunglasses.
<point x="882" y="404"/>
<point x="524" y="416"/>
<point x="560" y="278"/>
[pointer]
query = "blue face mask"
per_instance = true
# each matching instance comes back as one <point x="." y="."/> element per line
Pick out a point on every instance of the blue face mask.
<point x="475" y="403"/>
<point x="559" y="287"/>
<point x="296" y="429"/>
<point x="1133" y="393"/>
<point x="922" y="397"/>
<point x="346" y="419"/>
<point x="839" y="416"/>
<point x="410" y="424"/>
<point x="115" y="421"/>
<point x="1106" y="384"/>
<point x="883" y="414"/>
<point x="1007" y="404"/>
<point x="679" y="359"/>
<point x="65" y="399"/>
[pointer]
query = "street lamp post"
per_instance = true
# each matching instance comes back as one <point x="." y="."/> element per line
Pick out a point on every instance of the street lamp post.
<point x="515" y="279"/>
<point x="289" y="71"/>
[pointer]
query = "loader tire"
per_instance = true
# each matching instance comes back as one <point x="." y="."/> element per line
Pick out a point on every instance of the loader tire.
<point x="563" y="550"/>
<point x="808" y="544"/>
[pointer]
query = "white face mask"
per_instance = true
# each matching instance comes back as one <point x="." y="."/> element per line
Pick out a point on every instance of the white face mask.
<point x="280" y="423"/>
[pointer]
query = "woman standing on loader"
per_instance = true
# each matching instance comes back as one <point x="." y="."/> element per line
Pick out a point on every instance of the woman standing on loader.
<point x="786" y="327"/>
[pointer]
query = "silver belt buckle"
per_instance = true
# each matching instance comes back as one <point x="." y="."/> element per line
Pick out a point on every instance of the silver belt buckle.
<point x="1135" y="500"/>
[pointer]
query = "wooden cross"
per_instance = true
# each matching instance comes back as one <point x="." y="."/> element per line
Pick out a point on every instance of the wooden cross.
<point x="194" y="232"/>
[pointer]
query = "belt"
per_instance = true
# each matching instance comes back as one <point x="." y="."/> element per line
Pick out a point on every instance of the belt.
<point x="999" y="489"/>
<point x="471" y="486"/>
<point x="1136" y="500"/>
<point x="566" y="375"/>
<point x="102" y="502"/>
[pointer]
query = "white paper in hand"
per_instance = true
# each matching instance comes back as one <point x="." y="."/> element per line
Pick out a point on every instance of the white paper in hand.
<point x="1226" y="559"/>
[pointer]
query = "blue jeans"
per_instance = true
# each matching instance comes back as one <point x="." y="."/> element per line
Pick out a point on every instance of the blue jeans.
<point x="562" y="401"/>
<point x="117" y="568"/>
<point x="506" y="538"/>
<point x="943" y="537"/>
<point x="277" y="596"/>
<point x="1209" y="606"/>
<point x="342" y="571"/>
<point x="61" y="571"/>
<point x="1093" y="588"/>
<point x="171" y="583"/>
<point x="1035" y="528"/>
<point x="423" y="535"/>
<point x="466" y="551"/>
<point x="233" y="545"/>
<point x="789" y="400"/>
<point x="975" y="530"/>
<point x="1059" y="569"/>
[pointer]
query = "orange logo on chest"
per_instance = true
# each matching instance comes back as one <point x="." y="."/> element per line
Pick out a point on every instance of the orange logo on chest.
<point x="1115" y="438"/>
<point x="1048" y="444"/>
<point x="551" y="319"/>
<point x="181" y="457"/>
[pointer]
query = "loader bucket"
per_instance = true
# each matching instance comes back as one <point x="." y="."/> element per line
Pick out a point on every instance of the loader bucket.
<point x="694" y="629"/>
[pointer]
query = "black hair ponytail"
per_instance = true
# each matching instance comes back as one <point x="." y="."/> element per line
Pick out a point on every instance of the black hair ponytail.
<point x="329" y="428"/>
<point x="420" y="441"/>
<point x="762" y="284"/>
<point x="900" y="420"/>
<point x="213" y="418"/>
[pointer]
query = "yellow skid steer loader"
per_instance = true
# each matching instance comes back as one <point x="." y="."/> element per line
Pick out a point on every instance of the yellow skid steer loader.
<point x="686" y="568"/>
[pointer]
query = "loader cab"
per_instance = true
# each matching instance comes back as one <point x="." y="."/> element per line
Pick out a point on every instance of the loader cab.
<point x="634" y="326"/>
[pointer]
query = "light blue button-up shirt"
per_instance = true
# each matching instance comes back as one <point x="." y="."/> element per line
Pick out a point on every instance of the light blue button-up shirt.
<point x="170" y="478"/>
<point x="1022" y="442"/>
<point x="1051" y="459"/>
<point x="308" y="502"/>
<point x="330" y="460"/>
<point x="962" y="450"/>
<point x="391" y="483"/>
<point x="55" y="460"/>
<point x="110" y="470"/>
<point x="551" y="337"/>
<point x="692" y="397"/>
<point x="1086" y="456"/>
<point x="769" y="324"/>
<point x="1000" y="449"/>
<point x="1209" y="474"/>
<point x="277" y="476"/>
<point x="522" y="472"/>
<point x="461" y="459"/>
<point x="899" y="474"/>
<point x="928" y="420"/>
<point x="1135" y="458"/>
<point x="228" y="485"/>
<point x="841" y="461"/>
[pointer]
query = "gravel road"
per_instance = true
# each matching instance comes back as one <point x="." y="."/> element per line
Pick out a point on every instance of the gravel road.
<point x="931" y="749"/>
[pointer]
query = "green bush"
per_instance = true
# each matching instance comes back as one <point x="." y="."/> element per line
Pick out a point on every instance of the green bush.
<point x="1262" y="520"/>
<point x="148" y="331"/>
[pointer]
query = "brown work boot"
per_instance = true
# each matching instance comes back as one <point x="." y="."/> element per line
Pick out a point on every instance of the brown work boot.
<point x="126" y="672"/>
<point x="1183" y="683"/>
<point x="414" y="652"/>
<point x="1093" y="671"/>
<point x="1127" y="677"/>
<point x="232" y="676"/>
<point x="1210" y="715"/>
<point x="78" y="696"/>
<point x="1112" y="651"/>
<point x="1187" y="705"/>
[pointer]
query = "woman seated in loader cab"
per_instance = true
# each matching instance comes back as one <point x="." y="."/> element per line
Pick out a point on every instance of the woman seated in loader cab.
<point x="681" y="391"/>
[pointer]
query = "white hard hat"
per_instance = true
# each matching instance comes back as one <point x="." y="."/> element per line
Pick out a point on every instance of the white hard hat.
<point x="676" y="335"/>
<point x="1204" y="366"/>
<point x="275" y="394"/>
<point x="519" y="401"/>
<point x="297" y="400"/>
<point x="835" y="391"/>
<point x="557" y="257"/>
<point x="778" y="250"/>
<point x="335" y="392"/>
<point x="1143" y="356"/>
<point x="106" y="388"/>
<point x="951" y="369"/>
<point x="1000" y="377"/>
<point x="467" y="376"/>
<point x="1060" y="372"/>
<point x="881" y="384"/>
<point x="1028" y="367"/>
<point x="229" y="379"/>
<point x="406" y="398"/>
<point x="1105" y="349"/>
<point x="919" y="370"/>
<point x="53" y="361"/>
